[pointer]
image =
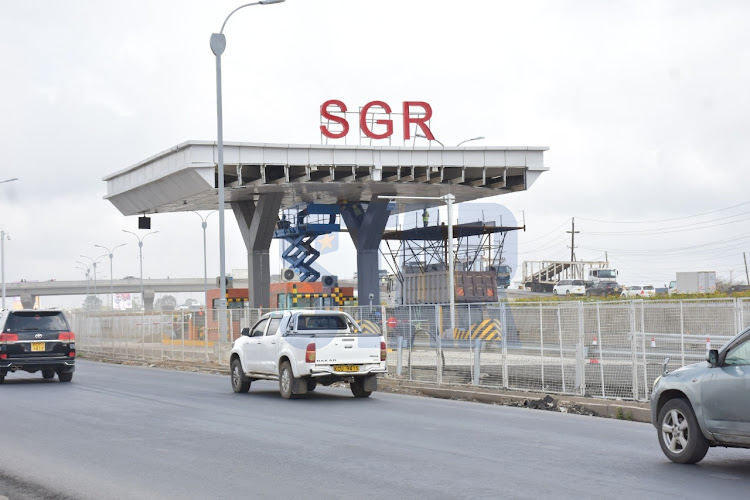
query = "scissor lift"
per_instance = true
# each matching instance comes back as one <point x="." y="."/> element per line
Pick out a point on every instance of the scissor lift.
<point x="299" y="226"/>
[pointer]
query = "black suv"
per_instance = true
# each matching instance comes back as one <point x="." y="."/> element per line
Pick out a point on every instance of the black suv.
<point x="37" y="340"/>
<point x="603" y="288"/>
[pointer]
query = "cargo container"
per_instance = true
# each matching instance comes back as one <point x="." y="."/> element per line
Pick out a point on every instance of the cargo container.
<point x="694" y="282"/>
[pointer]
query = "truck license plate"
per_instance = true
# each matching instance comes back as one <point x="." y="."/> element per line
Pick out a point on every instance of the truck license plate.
<point x="37" y="346"/>
<point x="346" y="368"/>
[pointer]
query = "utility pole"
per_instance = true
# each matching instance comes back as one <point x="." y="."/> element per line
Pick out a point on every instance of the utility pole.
<point x="573" y="243"/>
<point x="747" y="276"/>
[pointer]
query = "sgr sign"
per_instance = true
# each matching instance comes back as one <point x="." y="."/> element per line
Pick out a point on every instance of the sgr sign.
<point x="418" y="118"/>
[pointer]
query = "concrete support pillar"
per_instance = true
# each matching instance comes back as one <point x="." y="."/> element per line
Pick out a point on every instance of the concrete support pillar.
<point x="28" y="300"/>
<point x="366" y="227"/>
<point x="257" y="221"/>
<point x="148" y="300"/>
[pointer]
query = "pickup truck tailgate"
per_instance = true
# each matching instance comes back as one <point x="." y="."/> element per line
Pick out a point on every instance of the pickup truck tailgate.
<point x="350" y="350"/>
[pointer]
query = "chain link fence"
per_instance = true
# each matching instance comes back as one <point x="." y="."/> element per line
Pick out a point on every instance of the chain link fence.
<point x="590" y="348"/>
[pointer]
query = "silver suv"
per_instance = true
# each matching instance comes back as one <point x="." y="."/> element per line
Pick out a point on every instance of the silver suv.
<point x="705" y="404"/>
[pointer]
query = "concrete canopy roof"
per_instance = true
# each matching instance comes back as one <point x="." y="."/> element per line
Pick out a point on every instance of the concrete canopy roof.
<point x="184" y="177"/>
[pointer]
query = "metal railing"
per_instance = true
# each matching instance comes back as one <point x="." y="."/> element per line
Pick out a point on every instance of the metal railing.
<point x="612" y="350"/>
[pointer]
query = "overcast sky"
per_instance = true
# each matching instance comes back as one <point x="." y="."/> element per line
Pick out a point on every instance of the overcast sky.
<point x="644" y="106"/>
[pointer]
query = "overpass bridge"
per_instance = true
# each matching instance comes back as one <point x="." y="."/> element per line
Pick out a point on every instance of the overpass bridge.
<point x="30" y="290"/>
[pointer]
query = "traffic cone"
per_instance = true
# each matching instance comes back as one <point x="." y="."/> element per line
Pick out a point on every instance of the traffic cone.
<point x="708" y="344"/>
<point x="653" y="342"/>
<point x="592" y="352"/>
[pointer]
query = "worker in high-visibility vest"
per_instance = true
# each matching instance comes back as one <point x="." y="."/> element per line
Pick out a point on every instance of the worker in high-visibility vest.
<point x="425" y="217"/>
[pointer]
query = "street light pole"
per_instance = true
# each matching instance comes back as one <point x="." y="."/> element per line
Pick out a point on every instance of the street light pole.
<point x="86" y="269"/>
<point x="204" y="224"/>
<point x="218" y="45"/>
<point x="140" y="257"/>
<point x="93" y="264"/>
<point x="3" y="237"/>
<point x="111" y="278"/>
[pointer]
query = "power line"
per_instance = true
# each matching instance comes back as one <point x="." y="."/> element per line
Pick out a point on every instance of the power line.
<point x="665" y="220"/>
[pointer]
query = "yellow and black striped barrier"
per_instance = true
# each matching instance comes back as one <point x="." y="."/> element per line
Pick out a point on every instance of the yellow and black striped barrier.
<point x="369" y="327"/>
<point x="489" y="330"/>
<point x="337" y="295"/>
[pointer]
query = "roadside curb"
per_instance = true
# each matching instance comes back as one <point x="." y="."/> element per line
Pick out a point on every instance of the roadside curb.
<point x="624" y="410"/>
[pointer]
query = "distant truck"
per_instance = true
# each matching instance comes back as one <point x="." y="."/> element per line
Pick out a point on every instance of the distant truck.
<point x="503" y="276"/>
<point x="543" y="275"/>
<point x="695" y="282"/>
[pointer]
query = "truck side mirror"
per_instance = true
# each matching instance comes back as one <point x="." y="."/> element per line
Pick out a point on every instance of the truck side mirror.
<point x="245" y="332"/>
<point x="713" y="357"/>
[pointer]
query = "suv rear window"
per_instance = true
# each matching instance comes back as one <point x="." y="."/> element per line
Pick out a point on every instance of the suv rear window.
<point x="36" y="320"/>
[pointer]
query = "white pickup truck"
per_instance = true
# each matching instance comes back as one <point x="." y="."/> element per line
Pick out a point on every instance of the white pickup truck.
<point x="303" y="348"/>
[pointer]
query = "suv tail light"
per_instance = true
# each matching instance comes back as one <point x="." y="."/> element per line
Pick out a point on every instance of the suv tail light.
<point x="310" y="353"/>
<point x="8" y="337"/>
<point x="67" y="336"/>
<point x="383" y="351"/>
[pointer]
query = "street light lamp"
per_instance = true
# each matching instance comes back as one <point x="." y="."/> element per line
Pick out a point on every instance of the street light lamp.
<point x="93" y="264"/>
<point x="140" y="257"/>
<point x="111" y="282"/>
<point x="205" y="273"/>
<point x="433" y="139"/>
<point x="472" y="139"/>
<point x="218" y="45"/>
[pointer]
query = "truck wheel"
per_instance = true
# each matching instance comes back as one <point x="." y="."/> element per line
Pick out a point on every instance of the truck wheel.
<point x="358" y="388"/>
<point x="311" y="384"/>
<point x="680" y="436"/>
<point x="65" y="377"/>
<point x="588" y="294"/>
<point x="48" y="373"/>
<point x="286" y="380"/>
<point x="239" y="382"/>
<point x="2" y="378"/>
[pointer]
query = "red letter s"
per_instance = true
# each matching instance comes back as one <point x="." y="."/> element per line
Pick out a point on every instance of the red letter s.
<point x="333" y="118"/>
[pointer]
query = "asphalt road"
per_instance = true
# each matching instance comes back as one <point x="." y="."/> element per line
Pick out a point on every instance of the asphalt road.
<point x="135" y="432"/>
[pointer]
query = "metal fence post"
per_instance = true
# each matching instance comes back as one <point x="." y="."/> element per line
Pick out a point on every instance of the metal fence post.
<point x="477" y="362"/>
<point x="400" y="356"/>
<point x="682" y="335"/>
<point x="601" y="341"/>
<point x="643" y="348"/>
<point x="559" y="337"/>
<point x="541" y="341"/>
<point x="504" y="341"/>
<point x="439" y="351"/>
<point x="580" y="358"/>
<point x="633" y="351"/>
